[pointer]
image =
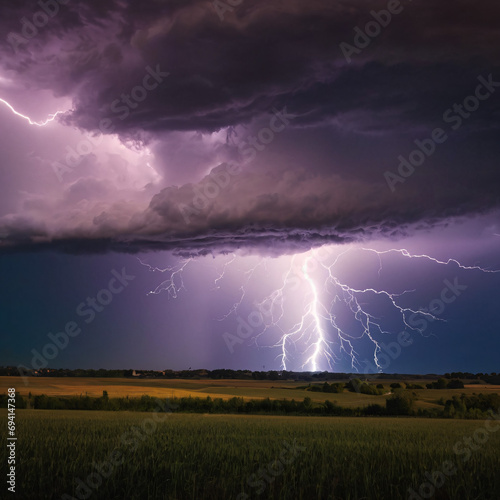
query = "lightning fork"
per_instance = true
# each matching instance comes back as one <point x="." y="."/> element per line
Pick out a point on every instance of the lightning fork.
<point x="51" y="118"/>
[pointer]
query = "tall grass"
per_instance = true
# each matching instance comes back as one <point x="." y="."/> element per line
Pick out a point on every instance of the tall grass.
<point x="194" y="457"/>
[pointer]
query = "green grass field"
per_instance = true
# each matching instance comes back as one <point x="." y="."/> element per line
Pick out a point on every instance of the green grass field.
<point x="197" y="457"/>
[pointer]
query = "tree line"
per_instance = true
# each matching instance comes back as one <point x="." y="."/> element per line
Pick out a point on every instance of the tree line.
<point x="363" y="387"/>
<point x="401" y="403"/>
<point x="223" y="373"/>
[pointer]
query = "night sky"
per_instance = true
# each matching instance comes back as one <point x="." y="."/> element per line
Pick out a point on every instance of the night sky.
<point x="275" y="184"/>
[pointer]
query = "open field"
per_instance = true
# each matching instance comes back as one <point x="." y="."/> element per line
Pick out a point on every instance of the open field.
<point x="225" y="389"/>
<point x="215" y="457"/>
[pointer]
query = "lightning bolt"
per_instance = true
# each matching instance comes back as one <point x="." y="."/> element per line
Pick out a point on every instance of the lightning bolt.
<point x="51" y="117"/>
<point x="319" y="335"/>
<point x="320" y="345"/>
<point x="319" y="321"/>
<point x="406" y="253"/>
<point x="223" y="272"/>
<point x="312" y="325"/>
<point x="174" y="283"/>
<point x="238" y="303"/>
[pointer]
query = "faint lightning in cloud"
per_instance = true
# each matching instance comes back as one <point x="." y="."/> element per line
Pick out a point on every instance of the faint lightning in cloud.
<point x="51" y="117"/>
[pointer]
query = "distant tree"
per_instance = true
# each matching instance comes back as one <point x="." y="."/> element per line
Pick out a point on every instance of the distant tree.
<point x="375" y="410"/>
<point x="315" y="388"/>
<point x="20" y="402"/>
<point x="329" y="407"/>
<point x="354" y="385"/>
<point x="455" y="384"/>
<point x="400" y="403"/>
<point x="442" y="383"/>
<point x="41" y="402"/>
<point x="307" y="403"/>
<point x="337" y="388"/>
<point x="414" y="386"/>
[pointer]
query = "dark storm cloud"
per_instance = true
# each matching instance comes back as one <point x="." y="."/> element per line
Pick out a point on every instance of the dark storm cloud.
<point x="265" y="55"/>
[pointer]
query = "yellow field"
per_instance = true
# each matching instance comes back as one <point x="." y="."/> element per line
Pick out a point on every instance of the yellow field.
<point x="116" y="387"/>
<point x="225" y="389"/>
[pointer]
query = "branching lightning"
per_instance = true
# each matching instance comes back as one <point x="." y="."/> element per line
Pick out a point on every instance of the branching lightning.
<point x="319" y="345"/>
<point x="237" y="304"/>
<point x="320" y="324"/>
<point x="405" y="253"/>
<point x="174" y="283"/>
<point x="320" y="335"/>
<point x="223" y="272"/>
<point x="51" y="117"/>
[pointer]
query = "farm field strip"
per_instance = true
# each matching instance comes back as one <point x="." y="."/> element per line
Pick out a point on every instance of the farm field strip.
<point x="224" y="389"/>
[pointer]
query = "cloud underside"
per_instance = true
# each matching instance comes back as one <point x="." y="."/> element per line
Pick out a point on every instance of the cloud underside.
<point x="293" y="211"/>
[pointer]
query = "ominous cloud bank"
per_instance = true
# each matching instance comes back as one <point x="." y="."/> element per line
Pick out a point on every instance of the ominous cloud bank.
<point x="223" y="170"/>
